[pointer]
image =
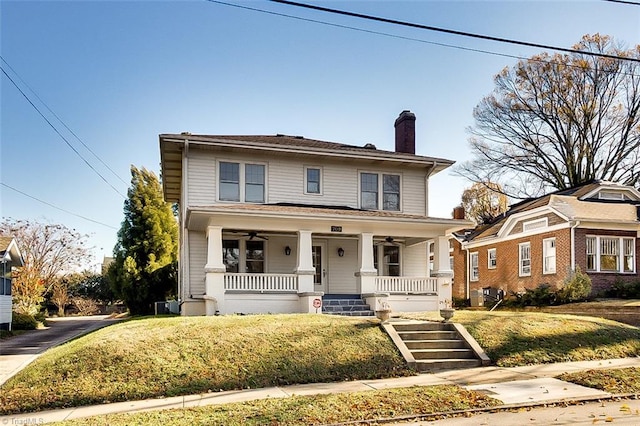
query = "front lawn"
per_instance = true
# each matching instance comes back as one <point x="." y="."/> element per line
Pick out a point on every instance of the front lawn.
<point x="306" y="410"/>
<point x="617" y="381"/>
<point x="524" y="338"/>
<point x="154" y="357"/>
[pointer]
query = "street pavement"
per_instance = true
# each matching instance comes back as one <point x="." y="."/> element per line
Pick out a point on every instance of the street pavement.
<point x="19" y="351"/>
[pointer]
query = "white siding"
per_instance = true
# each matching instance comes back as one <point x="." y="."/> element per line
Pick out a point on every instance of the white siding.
<point x="5" y="309"/>
<point x="341" y="270"/>
<point x="201" y="178"/>
<point x="339" y="184"/>
<point x="278" y="262"/>
<point x="197" y="261"/>
<point x="285" y="180"/>
<point x="413" y="192"/>
<point x="414" y="260"/>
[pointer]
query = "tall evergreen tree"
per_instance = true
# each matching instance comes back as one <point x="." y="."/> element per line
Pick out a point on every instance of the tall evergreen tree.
<point x="144" y="270"/>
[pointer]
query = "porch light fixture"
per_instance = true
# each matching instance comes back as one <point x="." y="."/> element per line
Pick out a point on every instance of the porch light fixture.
<point x="287" y="251"/>
<point x="340" y="252"/>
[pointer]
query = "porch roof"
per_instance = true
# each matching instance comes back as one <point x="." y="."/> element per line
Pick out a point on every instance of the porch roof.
<point x="324" y="216"/>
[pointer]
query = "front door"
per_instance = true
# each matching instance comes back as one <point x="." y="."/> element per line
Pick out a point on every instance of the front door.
<point x="319" y="255"/>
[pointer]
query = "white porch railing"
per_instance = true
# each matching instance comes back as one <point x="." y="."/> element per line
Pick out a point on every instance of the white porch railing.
<point x="261" y="282"/>
<point x="407" y="285"/>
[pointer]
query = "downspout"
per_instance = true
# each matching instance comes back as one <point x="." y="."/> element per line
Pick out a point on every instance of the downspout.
<point x="573" y="245"/>
<point x="466" y="275"/>
<point x="183" y="226"/>
<point x="426" y="188"/>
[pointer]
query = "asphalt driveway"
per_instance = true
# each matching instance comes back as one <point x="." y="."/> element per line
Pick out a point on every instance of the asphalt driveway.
<point x="17" y="352"/>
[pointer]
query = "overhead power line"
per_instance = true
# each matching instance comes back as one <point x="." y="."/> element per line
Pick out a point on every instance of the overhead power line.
<point x="448" y="31"/>
<point x="56" y="207"/>
<point x="633" y="3"/>
<point x="385" y="34"/>
<point x="61" y="121"/>
<point x="58" y="132"/>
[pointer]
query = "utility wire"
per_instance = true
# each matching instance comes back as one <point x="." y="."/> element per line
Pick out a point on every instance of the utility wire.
<point x="58" y="132"/>
<point x="448" y="31"/>
<point x="60" y="120"/>
<point x="56" y="207"/>
<point x="633" y="3"/>
<point x="452" y="46"/>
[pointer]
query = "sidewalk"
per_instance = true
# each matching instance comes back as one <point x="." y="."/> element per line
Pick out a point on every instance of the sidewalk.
<point x="513" y="386"/>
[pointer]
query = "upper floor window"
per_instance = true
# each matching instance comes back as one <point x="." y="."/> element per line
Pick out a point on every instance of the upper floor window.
<point x="610" y="254"/>
<point x="474" y="272"/>
<point x="492" y="258"/>
<point x="549" y="256"/>
<point x="524" y="259"/>
<point x="613" y="195"/>
<point x="313" y="177"/>
<point x="241" y="182"/>
<point x="373" y="184"/>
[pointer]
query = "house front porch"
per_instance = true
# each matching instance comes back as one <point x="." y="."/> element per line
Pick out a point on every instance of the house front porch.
<point x="286" y="264"/>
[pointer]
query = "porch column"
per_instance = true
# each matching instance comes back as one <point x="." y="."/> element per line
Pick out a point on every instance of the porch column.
<point x="304" y="268"/>
<point x="442" y="269"/>
<point x="214" y="272"/>
<point x="366" y="272"/>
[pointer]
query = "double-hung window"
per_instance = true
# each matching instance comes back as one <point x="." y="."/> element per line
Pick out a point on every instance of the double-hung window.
<point x="243" y="256"/>
<point x="549" y="256"/>
<point x="492" y="258"/>
<point x="374" y="184"/>
<point x="610" y="254"/>
<point x="474" y="272"/>
<point x="313" y="177"/>
<point x="241" y="182"/>
<point x="524" y="259"/>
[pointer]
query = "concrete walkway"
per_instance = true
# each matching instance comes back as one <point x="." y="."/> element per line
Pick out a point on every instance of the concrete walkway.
<point x="517" y="386"/>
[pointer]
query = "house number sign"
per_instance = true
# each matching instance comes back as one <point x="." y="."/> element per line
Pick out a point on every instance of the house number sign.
<point x="336" y="229"/>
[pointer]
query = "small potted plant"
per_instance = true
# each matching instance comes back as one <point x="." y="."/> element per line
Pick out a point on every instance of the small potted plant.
<point x="446" y="309"/>
<point x="384" y="311"/>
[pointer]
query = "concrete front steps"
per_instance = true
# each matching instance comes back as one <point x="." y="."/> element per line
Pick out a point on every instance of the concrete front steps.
<point x="346" y="306"/>
<point x="434" y="346"/>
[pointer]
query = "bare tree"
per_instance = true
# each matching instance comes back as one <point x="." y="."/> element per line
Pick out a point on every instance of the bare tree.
<point x="558" y="121"/>
<point x="60" y="295"/>
<point x="50" y="252"/>
<point x="483" y="202"/>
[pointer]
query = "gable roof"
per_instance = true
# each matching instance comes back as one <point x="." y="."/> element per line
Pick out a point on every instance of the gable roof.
<point x="9" y="251"/>
<point x="572" y="204"/>
<point x="172" y="146"/>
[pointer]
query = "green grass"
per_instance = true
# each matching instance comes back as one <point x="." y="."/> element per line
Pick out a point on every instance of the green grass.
<point x="306" y="410"/>
<point x="525" y="338"/>
<point x="155" y="357"/>
<point x="617" y="381"/>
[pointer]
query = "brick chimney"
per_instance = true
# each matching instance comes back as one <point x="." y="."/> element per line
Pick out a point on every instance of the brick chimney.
<point x="458" y="212"/>
<point x="406" y="132"/>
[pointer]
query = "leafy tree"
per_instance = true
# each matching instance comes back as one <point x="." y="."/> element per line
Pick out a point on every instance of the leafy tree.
<point x="483" y="202"/>
<point x="50" y="252"/>
<point x="147" y="249"/>
<point x="558" y="121"/>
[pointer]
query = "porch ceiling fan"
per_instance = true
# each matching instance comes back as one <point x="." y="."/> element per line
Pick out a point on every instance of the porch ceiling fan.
<point x="388" y="241"/>
<point x="254" y="234"/>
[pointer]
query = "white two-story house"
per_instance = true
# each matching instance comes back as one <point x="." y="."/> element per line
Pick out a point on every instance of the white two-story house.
<point x="282" y="223"/>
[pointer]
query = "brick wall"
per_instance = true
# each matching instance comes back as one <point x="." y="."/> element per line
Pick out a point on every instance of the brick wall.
<point x="506" y="274"/>
<point x="601" y="281"/>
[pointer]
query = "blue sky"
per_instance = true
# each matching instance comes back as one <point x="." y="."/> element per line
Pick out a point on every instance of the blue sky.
<point x="120" y="73"/>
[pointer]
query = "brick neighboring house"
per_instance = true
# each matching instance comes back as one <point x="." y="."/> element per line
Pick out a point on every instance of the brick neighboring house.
<point x="595" y="226"/>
